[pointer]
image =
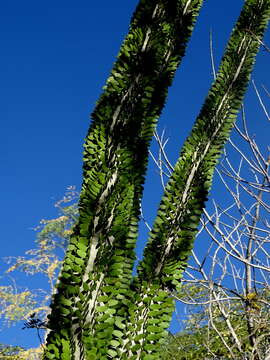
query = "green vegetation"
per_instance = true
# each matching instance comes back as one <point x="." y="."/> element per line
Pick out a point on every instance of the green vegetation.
<point x="99" y="309"/>
<point x="202" y="340"/>
<point x="18" y="303"/>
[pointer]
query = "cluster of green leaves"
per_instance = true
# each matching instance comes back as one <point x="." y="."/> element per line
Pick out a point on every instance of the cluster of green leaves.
<point x="100" y="310"/>
<point x="97" y="271"/>
<point x="174" y="230"/>
<point x="178" y="217"/>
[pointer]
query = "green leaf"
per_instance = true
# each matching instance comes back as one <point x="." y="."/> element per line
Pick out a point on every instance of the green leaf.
<point x="114" y="343"/>
<point x="118" y="333"/>
<point x="112" y="353"/>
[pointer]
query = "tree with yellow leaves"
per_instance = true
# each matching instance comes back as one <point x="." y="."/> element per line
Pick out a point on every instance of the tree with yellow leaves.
<point x="19" y="304"/>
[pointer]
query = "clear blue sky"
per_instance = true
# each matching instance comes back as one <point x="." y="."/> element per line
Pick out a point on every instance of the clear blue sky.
<point x="55" y="58"/>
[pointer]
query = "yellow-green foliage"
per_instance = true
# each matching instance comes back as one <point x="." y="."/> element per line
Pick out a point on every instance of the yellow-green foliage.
<point x="17" y="303"/>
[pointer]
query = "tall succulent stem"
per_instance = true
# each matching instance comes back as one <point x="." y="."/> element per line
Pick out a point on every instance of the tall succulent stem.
<point x="100" y="310"/>
<point x="94" y="284"/>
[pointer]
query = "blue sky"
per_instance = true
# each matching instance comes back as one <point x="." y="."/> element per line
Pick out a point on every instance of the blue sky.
<point x="55" y="58"/>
